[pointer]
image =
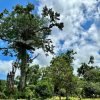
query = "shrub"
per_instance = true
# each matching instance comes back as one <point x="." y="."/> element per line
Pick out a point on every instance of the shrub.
<point x="43" y="89"/>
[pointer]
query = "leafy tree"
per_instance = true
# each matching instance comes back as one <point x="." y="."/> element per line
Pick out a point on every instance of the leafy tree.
<point x="62" y="73"/>
<point x="89" y="73"/>
<point x="85" y="67"/>
<point x="23" y="32"/>
<point x="91" y="90"/>
<point x="93" y="75"/>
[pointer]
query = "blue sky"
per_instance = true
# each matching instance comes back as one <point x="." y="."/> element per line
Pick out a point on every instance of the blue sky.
<point x="81" y="30"/>
<point x="8" y="4"/>
<point x="2" y="76"/>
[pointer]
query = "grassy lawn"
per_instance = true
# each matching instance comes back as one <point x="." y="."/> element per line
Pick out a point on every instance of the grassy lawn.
<point x="72" y="98"/>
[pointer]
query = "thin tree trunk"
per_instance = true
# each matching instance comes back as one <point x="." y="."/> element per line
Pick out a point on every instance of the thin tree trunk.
<point x="67" y="98"/>
<point x="59" y="97"/>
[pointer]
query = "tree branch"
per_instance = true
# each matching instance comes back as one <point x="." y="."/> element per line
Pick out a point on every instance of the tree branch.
<point x="4" y="48"/>
<point x="36" y="56"/>
<point x="43" y="28"/>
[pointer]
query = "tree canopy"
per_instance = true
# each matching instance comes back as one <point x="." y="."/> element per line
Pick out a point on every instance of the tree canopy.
<point x="24" y="32"/>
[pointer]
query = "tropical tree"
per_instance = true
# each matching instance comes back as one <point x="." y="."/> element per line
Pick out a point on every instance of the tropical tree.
<point x="23" y="32"/>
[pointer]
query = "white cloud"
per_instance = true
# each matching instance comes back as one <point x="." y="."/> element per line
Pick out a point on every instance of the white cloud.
<point x="5" y="66"/>
<point x="73" y="35"/>
<point x="42" y="59"/>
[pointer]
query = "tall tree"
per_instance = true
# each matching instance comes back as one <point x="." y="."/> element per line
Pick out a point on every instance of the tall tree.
<point x="23" y="32"/>
<point x="62" y="73"/>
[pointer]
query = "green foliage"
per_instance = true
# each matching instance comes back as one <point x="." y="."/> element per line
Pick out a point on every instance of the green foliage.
<point x="21" y="28"/>
<point x="2" y="96"/>
<point x="93" y="75"/>
<point x="46" y="73"/>
<point x="43" y="89"/>
<point x="83" y="69"/>
<point x="91" y="89"/>
<point x="62" y="73"/>
<point x="53" y="17"/>
<point x="62" y="92"/>
<point x="33" y="74"/>
<point x="2" y="85"/>
<point x="24" y="32"/>
<point x="79" y="86"/>
<point x="2" y="89"/>
<point x="27" y="94"/>
<point x="11" y="94"/>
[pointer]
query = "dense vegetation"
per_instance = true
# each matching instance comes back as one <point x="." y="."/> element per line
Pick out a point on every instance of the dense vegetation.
<point x="24" y="32"/>
<point x="57" y="80"/>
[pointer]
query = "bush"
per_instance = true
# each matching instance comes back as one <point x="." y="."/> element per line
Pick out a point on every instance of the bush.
<point x="91" y="90"/>
<point x="43" y="89"/>
<point x="2" y="96"/>
<point x="62" y="92"/>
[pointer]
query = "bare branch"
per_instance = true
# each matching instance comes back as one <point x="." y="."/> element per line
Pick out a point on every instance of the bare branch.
<point x="36" y="56"/>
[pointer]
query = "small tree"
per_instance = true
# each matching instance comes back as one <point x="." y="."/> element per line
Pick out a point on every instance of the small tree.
<point x="85" y="67"/>
<point x="23" y="32"/>
<point x="91" y="76"/>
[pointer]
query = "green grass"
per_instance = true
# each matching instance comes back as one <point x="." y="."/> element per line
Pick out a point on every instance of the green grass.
<point x="73" y="98"/>
<point x="85" y="99"/>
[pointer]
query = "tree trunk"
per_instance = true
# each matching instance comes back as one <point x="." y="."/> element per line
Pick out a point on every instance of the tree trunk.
<point x="22" y="80"/>
<point x="59" y="97"/>
<point x="67" y="98"/>
<point x="23" y="67"/>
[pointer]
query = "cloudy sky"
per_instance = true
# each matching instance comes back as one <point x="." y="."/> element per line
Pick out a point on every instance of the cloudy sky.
<point x="81" y="30"/>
